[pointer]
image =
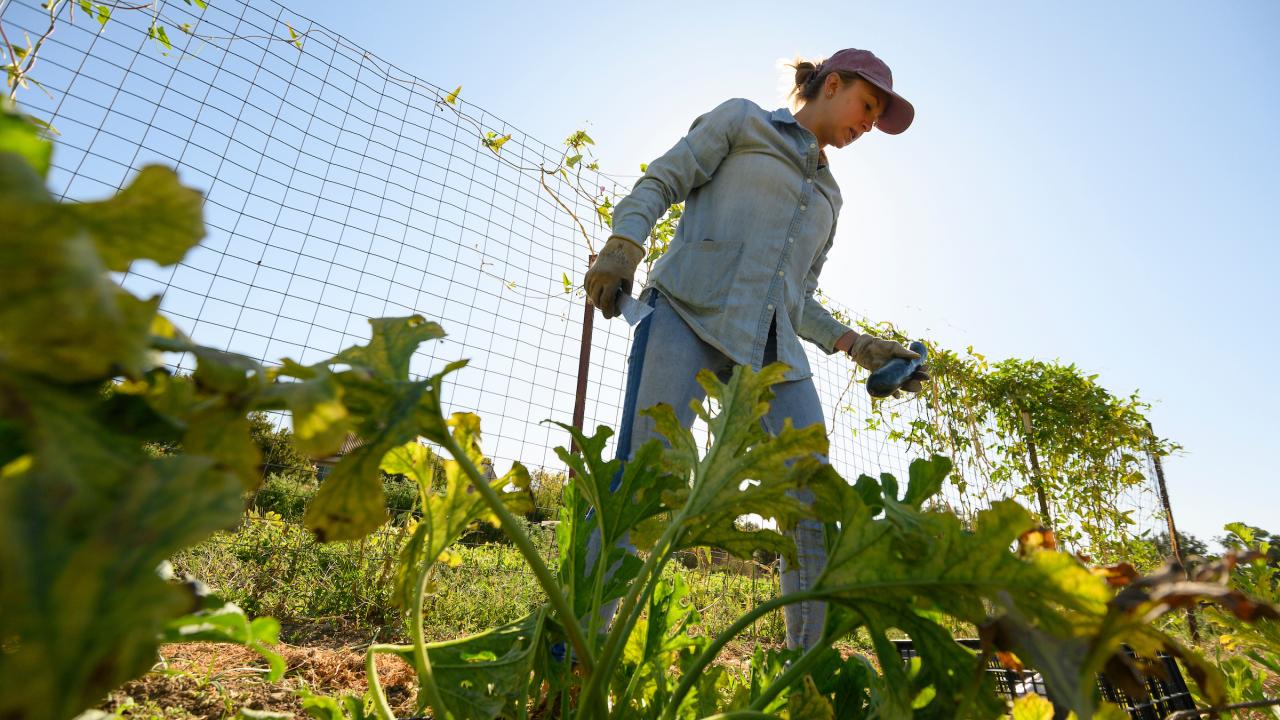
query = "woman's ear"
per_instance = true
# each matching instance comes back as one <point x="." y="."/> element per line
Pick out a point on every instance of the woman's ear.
<point x="831" y="85"/>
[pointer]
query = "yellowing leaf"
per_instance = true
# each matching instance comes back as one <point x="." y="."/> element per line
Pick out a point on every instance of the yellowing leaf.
<point x="452" y="98"/>
<point x="1032" y="707"/>
<point x="154" y="218"/>
<point x="809" y="704"/>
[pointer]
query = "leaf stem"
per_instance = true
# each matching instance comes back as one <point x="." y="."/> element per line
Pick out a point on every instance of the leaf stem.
<point x="531" y="556"/>
<point x="421" y="661"/>
<point x="631" y="608"/>
<point x="380" y="705"/>
<point x="691" y="675"/>
<point x="797" y="670"/>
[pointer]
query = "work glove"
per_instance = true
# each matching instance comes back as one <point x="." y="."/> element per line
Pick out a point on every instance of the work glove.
<point x="613" y="270"/>
<point x="872" y="353"/>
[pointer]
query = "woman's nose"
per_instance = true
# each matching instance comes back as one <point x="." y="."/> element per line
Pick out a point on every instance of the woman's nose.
<point x="867" y="124"/>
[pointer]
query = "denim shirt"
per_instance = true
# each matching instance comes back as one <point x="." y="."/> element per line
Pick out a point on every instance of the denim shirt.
<point x="759" y="218"/>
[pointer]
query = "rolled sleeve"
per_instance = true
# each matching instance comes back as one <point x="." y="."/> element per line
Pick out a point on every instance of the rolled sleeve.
<point x="670" y="178"/>
<point x="816" y="323"/>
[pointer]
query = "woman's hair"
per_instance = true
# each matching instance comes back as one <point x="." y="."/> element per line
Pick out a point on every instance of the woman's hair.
<point x="809" y="83"/>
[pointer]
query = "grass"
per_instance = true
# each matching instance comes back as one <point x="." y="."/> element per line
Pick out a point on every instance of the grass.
<point x="273" y="567"/>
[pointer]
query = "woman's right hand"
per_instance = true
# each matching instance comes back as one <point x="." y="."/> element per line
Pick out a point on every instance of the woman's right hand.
<point x="872" y="353"/>
<point x="613" y="270"/>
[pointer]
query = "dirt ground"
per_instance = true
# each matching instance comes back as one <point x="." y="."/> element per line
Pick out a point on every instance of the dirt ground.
<point x="216" y="680"/>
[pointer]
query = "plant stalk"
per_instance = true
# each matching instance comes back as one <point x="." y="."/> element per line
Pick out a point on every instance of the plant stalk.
<point x="422" y="663"/>
<point x="691" y="675"/>
<point x="531" y="556"/>
<point x="630" y="610"/>
<point x="789" y="676"/>
<point x="380" y="705"/>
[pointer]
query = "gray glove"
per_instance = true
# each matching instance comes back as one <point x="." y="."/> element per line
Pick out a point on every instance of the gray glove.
<point x="872" y="353"/>
<point x="613" y="270"/>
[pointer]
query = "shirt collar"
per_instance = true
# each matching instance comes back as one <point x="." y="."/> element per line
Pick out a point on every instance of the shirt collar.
<point x="783" y="115"/>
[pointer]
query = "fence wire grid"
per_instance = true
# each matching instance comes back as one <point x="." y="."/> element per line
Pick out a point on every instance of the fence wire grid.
<point x="339" y="187"/>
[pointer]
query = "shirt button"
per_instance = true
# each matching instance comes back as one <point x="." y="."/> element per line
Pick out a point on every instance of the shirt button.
<point x="781" y="273"/>
<point x="808" y="180"/>
<point x="770" y="306"/>
<point x="803" y="208"/>
<point x="791" y="239"/>
<point x="813" y="145"/>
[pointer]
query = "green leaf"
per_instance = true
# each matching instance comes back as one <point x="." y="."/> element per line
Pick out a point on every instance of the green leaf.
<point x="82" y="528"/>
<point x="1032" y="707"/>
<point x="159" y="35"/>
<point x="809" y="704"/>
<point x="293" y="36"/>
<point x="638" y="497"/>
<point x="229" y="624"/>
<point x="19" y="136"/>
<point x="452" y="98"/>
<point x="104" y="14"/>
<point x="321" y="707"/>
<point x="446" y="515"/>
<point x="392" y="345"/>
<point x="392" y="410"/>
<point x="572" y="161"/>
<point x="87" y="7"/>
<point x="745" y="470"/>
<point x="154" y="218"/>
<point x="62" y="317"/>
<point x="321" y="421"/>
<point x="568" y="286"/>
<point x="476" y="689"/>
<point x="351" y="502"/>
<point x="495" y="143"/>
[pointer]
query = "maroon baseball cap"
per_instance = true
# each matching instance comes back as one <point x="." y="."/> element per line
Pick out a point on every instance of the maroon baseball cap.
<point x="899" y="114"/>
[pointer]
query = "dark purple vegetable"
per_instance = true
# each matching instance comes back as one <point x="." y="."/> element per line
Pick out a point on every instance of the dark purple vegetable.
<point x="897" y="371"/>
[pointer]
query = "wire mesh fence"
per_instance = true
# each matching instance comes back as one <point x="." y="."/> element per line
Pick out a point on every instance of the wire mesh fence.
<point x="339" y="187"/>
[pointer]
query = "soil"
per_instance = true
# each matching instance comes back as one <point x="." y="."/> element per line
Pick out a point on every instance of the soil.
<point x="216" y="680"/>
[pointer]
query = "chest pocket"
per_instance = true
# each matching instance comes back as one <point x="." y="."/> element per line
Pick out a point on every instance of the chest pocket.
<point x="701" y="274"/>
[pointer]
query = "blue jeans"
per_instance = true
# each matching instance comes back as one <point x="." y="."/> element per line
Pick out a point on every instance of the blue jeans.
<point x="665" y="358"/>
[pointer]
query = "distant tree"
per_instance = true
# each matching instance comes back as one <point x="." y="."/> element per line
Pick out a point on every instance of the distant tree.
<point x="1244" y="537"/>
<point x="278" y="452"/>
<point x="1189" y="545"/>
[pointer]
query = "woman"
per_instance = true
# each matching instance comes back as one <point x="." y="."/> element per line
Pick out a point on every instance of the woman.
<point x="736" y="284"/>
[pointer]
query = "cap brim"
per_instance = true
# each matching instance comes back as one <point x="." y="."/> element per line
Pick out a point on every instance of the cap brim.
<point x="898" y="116"/>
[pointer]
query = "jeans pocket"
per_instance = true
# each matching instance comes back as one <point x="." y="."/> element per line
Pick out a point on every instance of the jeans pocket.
<point x="702" y="274"/>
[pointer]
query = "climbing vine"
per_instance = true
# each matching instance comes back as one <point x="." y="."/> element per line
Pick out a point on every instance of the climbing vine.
<point x="1044" y="432"/>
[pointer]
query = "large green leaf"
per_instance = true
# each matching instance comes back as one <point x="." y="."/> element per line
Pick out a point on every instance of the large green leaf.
<point x="83" y="527"/>
<point x="154" y="218"/>
<point x="393" y="343"/>
<point x="594" y="508"/>
<point x="483" y="676"/>
<point x="61" y="316"/>
<point x="20" y="136"/>
<point x="388" y="410"/>
<point x="745" y="470"/>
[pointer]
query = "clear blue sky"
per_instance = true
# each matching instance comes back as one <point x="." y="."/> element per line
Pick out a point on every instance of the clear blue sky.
<point x="1095" y="182"/>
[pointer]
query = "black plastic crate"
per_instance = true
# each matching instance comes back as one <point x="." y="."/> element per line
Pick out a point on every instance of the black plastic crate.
<point x="1164" y="696"/>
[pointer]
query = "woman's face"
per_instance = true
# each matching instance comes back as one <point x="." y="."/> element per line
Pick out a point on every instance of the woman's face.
<point x="850" y="110"/>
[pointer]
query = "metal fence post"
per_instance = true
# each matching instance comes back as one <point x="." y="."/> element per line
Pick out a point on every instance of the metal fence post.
<point x="584" y="365"/>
